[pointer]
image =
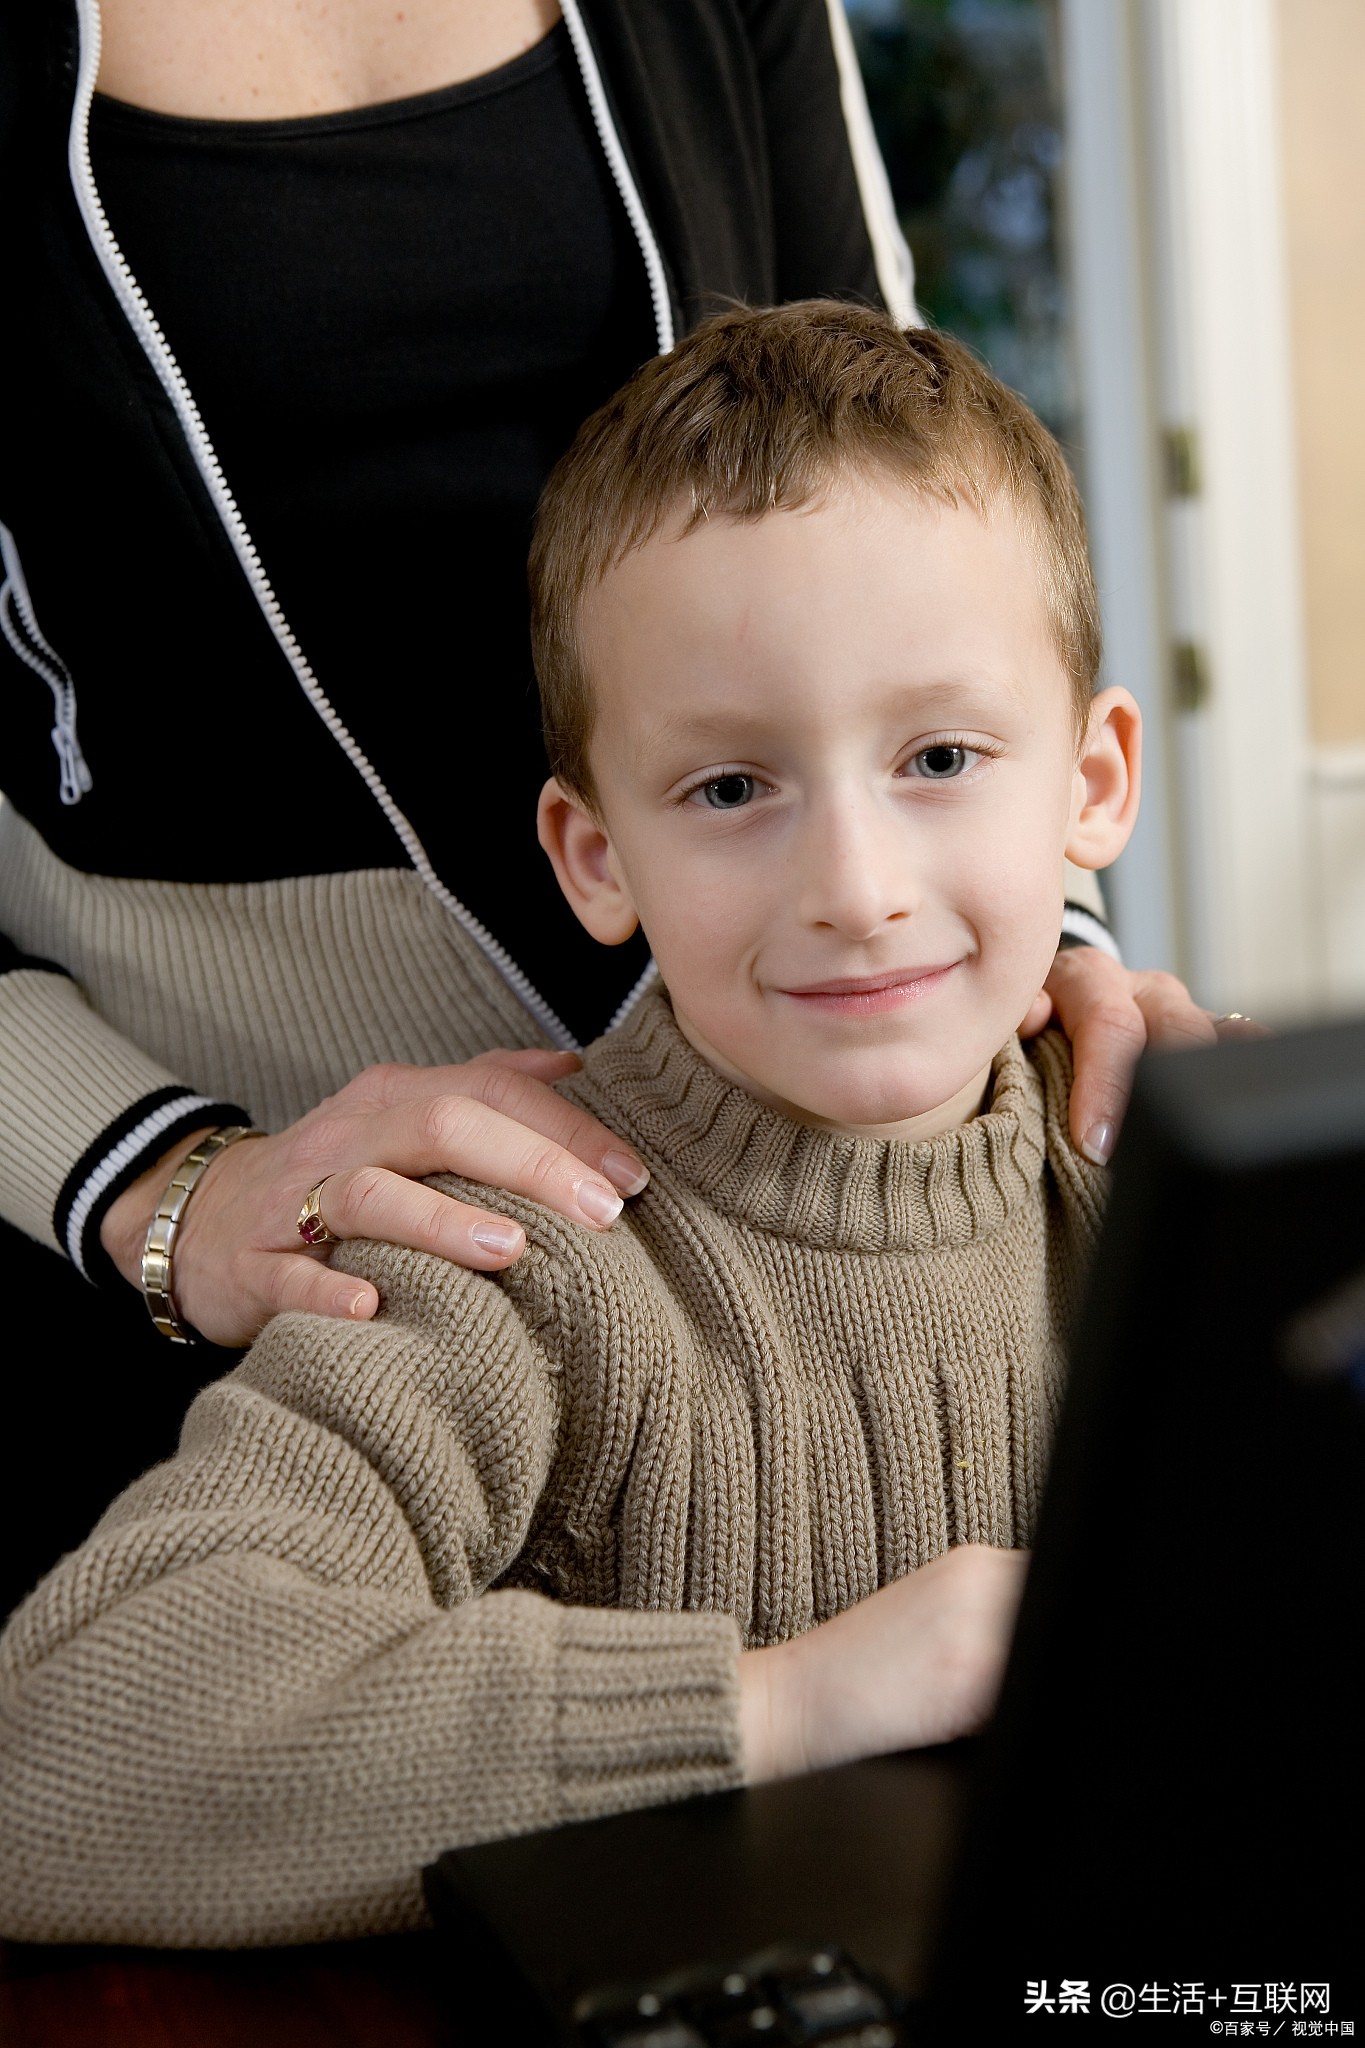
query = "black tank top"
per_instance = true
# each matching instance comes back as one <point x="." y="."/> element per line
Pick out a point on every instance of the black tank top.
<point x="392" y="320"/>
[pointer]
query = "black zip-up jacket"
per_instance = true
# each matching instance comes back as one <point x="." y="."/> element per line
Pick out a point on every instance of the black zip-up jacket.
<point x="738" y="137"/>
<point x="730" y="119"/>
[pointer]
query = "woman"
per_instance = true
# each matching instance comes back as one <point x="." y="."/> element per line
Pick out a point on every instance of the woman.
<point x="309" y="307"/>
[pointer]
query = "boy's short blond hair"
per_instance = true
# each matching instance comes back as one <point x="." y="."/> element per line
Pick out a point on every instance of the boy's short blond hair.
<point x="760" y="411"/>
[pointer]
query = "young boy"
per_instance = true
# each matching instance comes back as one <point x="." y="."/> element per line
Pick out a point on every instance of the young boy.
<point x="738" y="1488"/>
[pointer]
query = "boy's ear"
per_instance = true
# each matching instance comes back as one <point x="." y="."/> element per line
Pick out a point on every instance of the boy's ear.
<point x="585" y="865"/>
<point x="1107" y="782"/>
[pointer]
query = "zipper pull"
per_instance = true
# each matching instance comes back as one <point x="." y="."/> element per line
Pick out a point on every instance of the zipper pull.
<point x="76" y="776"/>
<point x="20" y="628"/>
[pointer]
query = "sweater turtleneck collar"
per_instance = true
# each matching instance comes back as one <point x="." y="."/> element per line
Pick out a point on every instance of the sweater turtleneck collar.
<point x="819" y="1187"/>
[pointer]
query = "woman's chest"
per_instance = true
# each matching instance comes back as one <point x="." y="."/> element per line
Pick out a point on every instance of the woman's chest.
<point x="245" y="60"/>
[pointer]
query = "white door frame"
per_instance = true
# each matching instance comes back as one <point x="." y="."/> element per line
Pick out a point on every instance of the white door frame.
<point x="1106" y="221"/>
<point x="1174" y="125"/>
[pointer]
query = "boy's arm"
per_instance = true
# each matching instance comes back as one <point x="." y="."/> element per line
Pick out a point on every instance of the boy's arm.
<point x="272" y="1685"/>
<point x="918" y="1662"/>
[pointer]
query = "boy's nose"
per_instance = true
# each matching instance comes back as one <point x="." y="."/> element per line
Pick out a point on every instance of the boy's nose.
<point x="858" y="873"/>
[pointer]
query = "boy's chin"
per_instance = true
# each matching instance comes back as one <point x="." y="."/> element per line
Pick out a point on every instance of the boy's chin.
<point x="875" y="1092"/>
<point x="886" y="1110"/>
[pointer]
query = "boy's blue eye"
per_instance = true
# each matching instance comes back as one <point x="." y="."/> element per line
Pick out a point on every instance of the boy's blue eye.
<point x="728" y="792"/>
<point x="940" y="763"/>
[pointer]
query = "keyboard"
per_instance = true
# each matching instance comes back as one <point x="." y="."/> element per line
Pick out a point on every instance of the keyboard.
<point x="777" y="1998"/>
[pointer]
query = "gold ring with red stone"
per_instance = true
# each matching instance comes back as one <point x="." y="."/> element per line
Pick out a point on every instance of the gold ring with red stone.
<point x="310" y="1225"/>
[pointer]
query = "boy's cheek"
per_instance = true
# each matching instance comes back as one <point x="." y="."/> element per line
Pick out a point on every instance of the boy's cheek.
<point x="1006" y="905"/>
<point x="695" y="914"/>
<point x="1018" y="919"/>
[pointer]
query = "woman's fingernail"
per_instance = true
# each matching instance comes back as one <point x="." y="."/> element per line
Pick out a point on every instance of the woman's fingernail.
<point x="629" y="1175"/>
<point x="598" y="1204"/>
<point x="1098" y="1143"/>
<point x="497" y="1237"/>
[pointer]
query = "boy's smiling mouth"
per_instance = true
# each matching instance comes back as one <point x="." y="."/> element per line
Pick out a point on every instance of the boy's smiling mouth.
<point x="870" y="993"/>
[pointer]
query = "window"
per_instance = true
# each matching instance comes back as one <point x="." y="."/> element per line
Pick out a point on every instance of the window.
<point x="966" y="99"/>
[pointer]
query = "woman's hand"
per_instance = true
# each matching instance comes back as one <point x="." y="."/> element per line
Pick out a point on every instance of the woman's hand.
<point x="238" y="1256"/>
<point x="1111" y="1015"/>
<point x="918" y="1662"/>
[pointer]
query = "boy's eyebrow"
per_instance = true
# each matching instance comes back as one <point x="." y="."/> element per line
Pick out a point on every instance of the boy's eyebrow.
<point x="721" y="724"/>
<point x="731" y="722"/>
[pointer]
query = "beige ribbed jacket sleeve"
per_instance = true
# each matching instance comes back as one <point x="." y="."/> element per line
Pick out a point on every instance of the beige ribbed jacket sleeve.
<point x="273" y="1683"/>
<point x="65" y="1076"/>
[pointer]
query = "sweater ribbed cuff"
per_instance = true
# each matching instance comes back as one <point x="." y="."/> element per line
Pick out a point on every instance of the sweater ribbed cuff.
<point x="124" y="1150"/>
<point x="648" y="1708"/>
<point x="83" y="1111"/>
<point x="1081" y="927"/>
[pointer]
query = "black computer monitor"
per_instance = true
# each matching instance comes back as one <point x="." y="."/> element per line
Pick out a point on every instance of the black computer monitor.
<point x="1172" y="1788"/>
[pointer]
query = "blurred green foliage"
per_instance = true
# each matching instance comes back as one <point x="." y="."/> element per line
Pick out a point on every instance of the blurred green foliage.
<point x="966" y="99"/>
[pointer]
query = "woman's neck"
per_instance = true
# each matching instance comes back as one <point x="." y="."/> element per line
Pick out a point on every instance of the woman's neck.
<point x="245" y="60"/>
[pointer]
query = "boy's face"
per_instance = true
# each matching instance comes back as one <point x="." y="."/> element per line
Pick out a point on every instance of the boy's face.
<point x="837" y="772"/>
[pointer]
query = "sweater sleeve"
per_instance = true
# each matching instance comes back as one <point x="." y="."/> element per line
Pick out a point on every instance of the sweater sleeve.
<point x="833" y="215"/>
<point x="82" y="1109"/>
<point x="1084" y="919"/>
<point x="274" y="1683"/>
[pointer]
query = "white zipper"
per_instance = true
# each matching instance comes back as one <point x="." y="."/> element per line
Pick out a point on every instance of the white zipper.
<point x="144" y="324"/>
<point x="36" y="653"/>
<point x="620" y="171"/>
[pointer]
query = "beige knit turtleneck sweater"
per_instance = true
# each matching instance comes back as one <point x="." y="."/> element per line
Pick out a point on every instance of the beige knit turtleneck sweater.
<point x="486" y="1563"/>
